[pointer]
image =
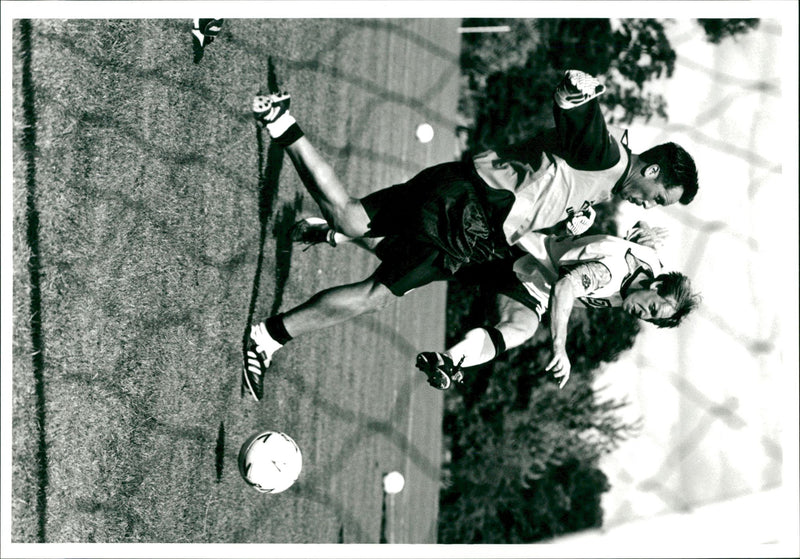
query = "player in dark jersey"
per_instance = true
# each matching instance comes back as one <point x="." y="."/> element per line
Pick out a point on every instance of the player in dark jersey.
<point x="461" y="213"/>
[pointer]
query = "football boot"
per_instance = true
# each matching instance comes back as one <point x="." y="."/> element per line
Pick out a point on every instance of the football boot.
<point x="268" y="108"/>
<point x="312" y="231"/>
<point x="257" y="358"/>
<point x="439" y="369"/>
<point x="203" y="32"/>
<point x="576" y="89"/>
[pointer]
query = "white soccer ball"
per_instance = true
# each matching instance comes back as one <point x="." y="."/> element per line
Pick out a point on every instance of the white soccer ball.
<point x="424" y="133"/>
<point x="393" y="482"/>
<point x="270" y="461"/>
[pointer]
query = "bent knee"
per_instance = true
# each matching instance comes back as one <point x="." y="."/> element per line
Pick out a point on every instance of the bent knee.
<point x="517" y="333"/>
<point x="349" y="218"/>
<point x="514" y="337"/>
<point x="378" y="295"/>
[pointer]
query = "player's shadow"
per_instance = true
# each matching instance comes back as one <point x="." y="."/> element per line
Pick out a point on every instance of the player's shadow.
<point x="219" y="451"/>
<point x="268" y="175"/>
<point x="269" y="170"/>
<point x="283" y="248"/>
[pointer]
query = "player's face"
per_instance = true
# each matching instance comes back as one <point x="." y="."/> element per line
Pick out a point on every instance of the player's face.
<point x="648" y="305"/>
<point x="646" y="190"/>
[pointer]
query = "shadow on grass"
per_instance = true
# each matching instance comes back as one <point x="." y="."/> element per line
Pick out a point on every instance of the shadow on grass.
<point x="34" y="272"/>
<point x="345" y="515"/>
<point x="283" y="248"/>
<point x="268" y="175"/>
<point x="269" y="172"/>
<point x="314" y="486"/>
<point x="317" y="59"/>
<point x="219" y="451"/>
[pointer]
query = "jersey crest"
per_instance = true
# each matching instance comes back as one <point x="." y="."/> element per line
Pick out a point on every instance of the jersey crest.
<point x="639" y="271"/>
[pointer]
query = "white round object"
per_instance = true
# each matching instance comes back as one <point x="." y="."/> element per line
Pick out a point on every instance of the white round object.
<point x="393" y="482"/>
<point x="424" y="132"/>
<point x="270" y="461"/>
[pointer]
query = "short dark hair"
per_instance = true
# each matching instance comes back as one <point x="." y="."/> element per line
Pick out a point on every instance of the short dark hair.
<point x="677" y="168"/>
<point x="677" y="286"/>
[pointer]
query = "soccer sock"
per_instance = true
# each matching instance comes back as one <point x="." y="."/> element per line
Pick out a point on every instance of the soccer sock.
<point x="284" y="130"/>
<point x="331" y="237"/>
<point x="476" y="348"/>
<point x="277" y="330"/>
<point x="497" y="339"/>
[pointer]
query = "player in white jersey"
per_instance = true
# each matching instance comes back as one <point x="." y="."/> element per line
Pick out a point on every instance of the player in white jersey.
<point x="463" y="213"/>
<point x="598" y="271"/>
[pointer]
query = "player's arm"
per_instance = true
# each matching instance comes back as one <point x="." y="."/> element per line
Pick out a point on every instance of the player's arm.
<point x="643" y="234"/>
<point x="583" y="137"/>
<point x="580" y="281"/>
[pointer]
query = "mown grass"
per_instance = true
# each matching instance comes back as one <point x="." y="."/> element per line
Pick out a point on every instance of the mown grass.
<point x="148" y="188"/>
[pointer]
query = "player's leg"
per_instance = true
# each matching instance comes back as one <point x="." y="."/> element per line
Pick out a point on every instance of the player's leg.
<point x="343" y="212"/>
<point x="204" y="30"/>
<point x="402" y="269"/>
<point x="335" y="305"/>
<point x="517" y="324"/>
<point x="326" y="308"/>
<point x="315" y="230"/>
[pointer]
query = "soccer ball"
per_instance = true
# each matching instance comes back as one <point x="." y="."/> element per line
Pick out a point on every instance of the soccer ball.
<point x="424" y="133"/>
<point x="393" y="482"/>
<point x="270" y="461"/>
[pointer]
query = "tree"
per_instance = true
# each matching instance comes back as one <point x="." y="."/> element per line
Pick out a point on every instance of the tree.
<point x="524" y="455"/>
<point x="719" y="29"/>
<point x="523" y="474"/>
<point x="509" y="97"/>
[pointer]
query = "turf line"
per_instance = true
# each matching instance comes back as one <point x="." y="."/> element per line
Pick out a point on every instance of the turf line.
<point x="32" y="237"/>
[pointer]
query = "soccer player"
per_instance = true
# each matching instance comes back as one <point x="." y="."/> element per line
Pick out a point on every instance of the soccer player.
<point x="461" y="213"/>
<point x="599" y="271"/>
<point x="613" y="272"/>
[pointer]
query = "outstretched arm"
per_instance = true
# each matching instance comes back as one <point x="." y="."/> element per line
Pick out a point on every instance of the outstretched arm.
<point x="562" y="299"/>
<point x="578" y="282"/>
<point x="643" y="234"/>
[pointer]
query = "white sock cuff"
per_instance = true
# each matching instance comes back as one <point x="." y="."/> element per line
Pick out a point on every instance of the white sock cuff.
<point x="476" y="348"/>
<point x="281" y="125"/>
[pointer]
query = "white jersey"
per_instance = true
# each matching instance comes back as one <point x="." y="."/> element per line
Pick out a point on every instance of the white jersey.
<point x="574" y="165"/>
<point x="543" y="196"/>
<point x="628" y="263"/>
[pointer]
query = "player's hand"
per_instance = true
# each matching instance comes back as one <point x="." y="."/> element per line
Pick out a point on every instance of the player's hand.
<point x="645" y="235"/>
<point x="560" y="366"/>
<point x="580" y="222"/>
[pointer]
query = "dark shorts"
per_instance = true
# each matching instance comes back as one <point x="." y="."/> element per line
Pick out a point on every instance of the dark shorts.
<point x="439" y="221"/>
<point x="498" y="277"/>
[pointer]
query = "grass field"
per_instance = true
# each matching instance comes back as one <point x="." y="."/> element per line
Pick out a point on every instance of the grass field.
<point x="149" y="227"/>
